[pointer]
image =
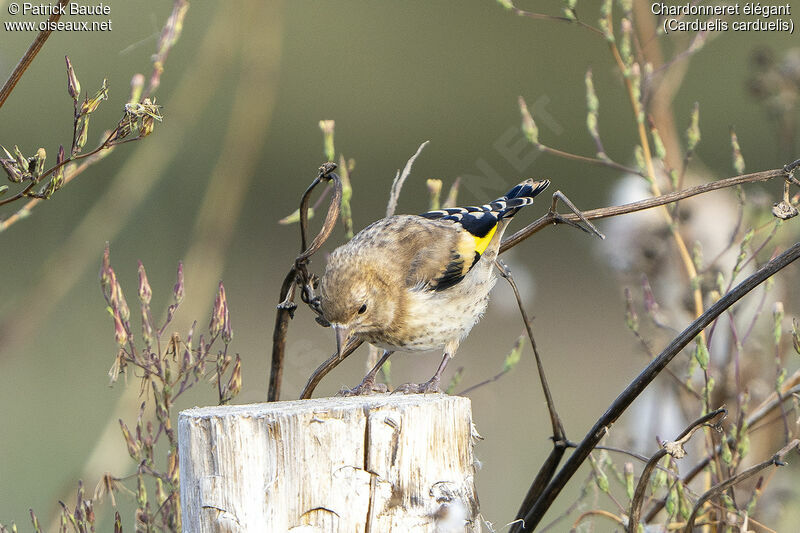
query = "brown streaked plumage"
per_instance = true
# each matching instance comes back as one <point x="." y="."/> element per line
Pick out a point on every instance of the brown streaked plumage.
<point x="418" y="282"/>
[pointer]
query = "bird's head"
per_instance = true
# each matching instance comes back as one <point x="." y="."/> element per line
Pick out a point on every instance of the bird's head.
<point x="355" y="298"/>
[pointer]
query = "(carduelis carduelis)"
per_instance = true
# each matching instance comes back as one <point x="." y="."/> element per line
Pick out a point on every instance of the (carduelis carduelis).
<point x="418" y="282"/>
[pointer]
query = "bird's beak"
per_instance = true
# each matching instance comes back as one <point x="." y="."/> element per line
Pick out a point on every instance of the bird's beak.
<point x="342" y="336"/>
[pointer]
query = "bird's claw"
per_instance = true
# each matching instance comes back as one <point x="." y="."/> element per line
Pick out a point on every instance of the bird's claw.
<point x="365" y="388"/>
<point x="430" y="386"/>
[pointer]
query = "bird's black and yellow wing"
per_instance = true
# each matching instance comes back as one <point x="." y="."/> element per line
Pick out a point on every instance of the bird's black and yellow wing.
<point x="473" y="230"/>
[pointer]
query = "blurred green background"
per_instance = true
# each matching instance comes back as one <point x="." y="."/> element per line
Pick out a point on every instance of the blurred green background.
<point x="243" y="91"/>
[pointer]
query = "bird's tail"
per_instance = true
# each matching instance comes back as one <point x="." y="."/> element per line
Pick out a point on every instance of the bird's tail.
<point x="484" y="220"/>
<point x="520" y="196"/>
<point x="504" y="207"/>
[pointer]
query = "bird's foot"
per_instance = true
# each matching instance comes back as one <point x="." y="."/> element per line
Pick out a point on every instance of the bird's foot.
<point x="365" y="388"/>
<point x="430" y="386"/>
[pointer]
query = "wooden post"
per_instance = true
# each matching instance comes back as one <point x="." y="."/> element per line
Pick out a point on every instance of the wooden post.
<point x="377" y="463"/>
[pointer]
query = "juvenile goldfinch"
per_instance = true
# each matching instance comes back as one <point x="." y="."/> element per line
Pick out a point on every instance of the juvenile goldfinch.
<point x="418" y="282"/>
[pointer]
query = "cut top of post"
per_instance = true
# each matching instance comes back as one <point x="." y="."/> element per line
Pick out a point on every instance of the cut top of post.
<point x="365" y="463"/>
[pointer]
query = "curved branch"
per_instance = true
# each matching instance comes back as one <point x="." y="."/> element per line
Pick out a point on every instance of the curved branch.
<point x="323" y="369"/>
<point x="776" y="460"/>
<point x="298" y="274"/>
<point x="668" y="448"/>
<point x="621" y="403"/>
<point x="766" y="407"/>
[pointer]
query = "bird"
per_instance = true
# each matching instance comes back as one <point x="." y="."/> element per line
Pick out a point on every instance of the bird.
<point x="418" y="283"/>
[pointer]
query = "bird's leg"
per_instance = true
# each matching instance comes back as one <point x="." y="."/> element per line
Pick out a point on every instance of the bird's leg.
<point x="368" y="385"/>
<point x="432" y="385"/>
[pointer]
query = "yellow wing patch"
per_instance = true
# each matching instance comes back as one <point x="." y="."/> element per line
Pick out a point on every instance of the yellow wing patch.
<point x="481" y="243"/>
<point x="466" y="252"/>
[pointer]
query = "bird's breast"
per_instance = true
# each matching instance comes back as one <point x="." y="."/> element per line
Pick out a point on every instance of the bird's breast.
<point x="431" y="319"/>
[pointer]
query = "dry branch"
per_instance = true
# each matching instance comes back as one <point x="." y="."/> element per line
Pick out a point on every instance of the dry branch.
<point x="298" y="274"/>
<point x="30" y="54"/>
<point x="536" y="512"/>
<point x="776" y="460"/>
<point x="667" y="448"/>
<point x="605" y="212"/>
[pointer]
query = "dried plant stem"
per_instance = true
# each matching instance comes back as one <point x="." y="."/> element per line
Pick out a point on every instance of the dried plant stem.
<point x="400" y="179"/>
<point x="767" y="406"/>
<point x="659" y="99"/>
<point x="638" y="113"/>
<point x="33" y="202"/>
<point x="326" y="367"/>
<point x="280" y="331"/>
<point x="298" y="275"/>
<point x="776" y="460"/>
<point x="535" y="514"/>
<point x="542" y="16"/>
<point x="479" y="384"/>
<point x="89" y="156"/>
<point x="557" y="427"/>
<point x="30" y="54"/>
<point x="597" y="512"/>
<point x="169" y="37"/>
<point x="668" y="448"/>
<point x="559" y="435"/>
<point x="648" y="203"/>
<point x="585" y="159"/>
<point x="137" y="177"/>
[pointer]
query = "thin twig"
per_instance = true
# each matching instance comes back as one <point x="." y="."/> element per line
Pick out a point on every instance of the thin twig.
<point x="559" y="435"/>
<point x="285" y="310"/>
<point x="330" y="218"/>
<point x="327" y="366"/>
<point x="479" y="384"/>
<point x="542" y="16"/>
<point x="756" y="416"/>
<point x="605" y="212"/>
<point x="776" y="460"/>
<point x="534" y="515"/>
<point x="569" y="510"/>
<point x="30" y="204"/>
<point x="587" y="159"/>
<point x="400" y="179"/>
<point x="588" y="227"/>
<point x="674" y="448"/>
<point x="27" y="190"/>
<point x="597" y="512"/>
<point x="557" y="427"/>
<point x="169" y="35"/>
<point x="30" y="53"/>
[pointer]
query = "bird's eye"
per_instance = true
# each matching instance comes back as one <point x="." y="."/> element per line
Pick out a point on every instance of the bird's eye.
<point x="362" y="309"/>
